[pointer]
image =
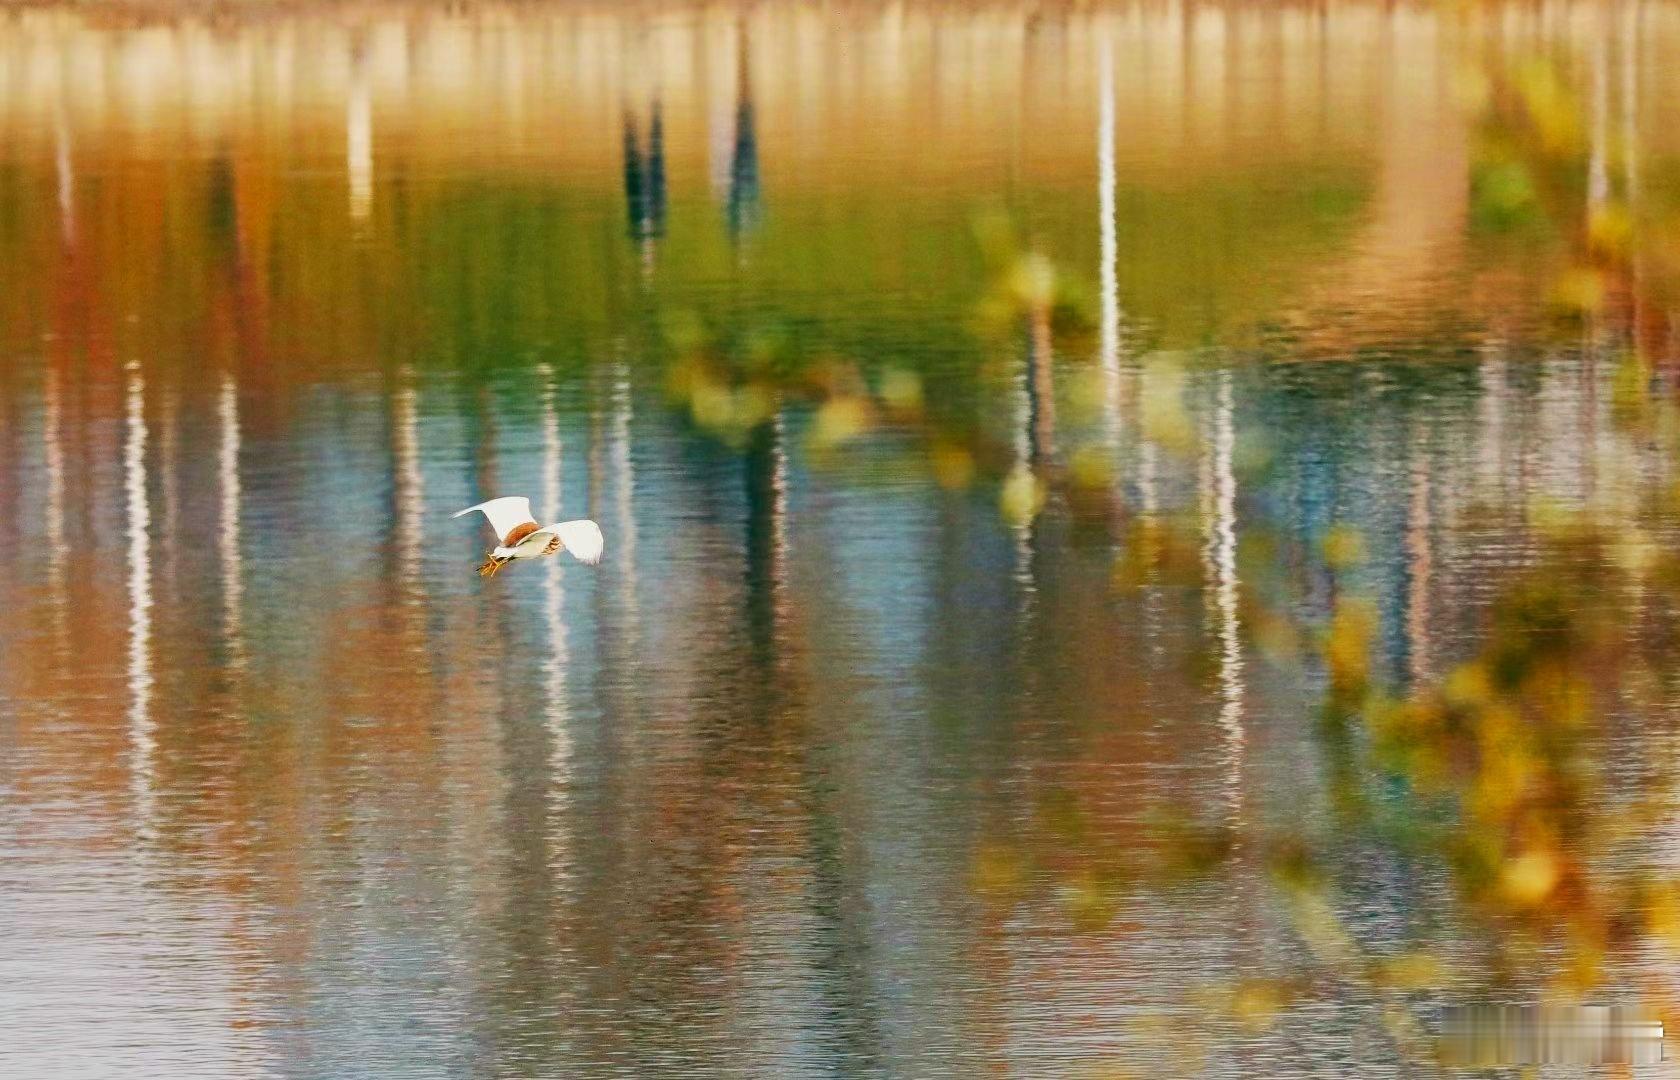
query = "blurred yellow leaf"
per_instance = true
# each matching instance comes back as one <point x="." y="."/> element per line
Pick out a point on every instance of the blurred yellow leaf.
<point x="1530" y="878"/>
<point x="1022" y="496"/>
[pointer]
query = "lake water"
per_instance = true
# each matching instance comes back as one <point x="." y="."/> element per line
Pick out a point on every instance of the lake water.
<point x="814" y="774"/>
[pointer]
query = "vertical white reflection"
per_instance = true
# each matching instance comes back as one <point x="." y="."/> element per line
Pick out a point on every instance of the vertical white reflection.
<point x="1630" y="101"/>
<point x="358" y="124"/>
<point x="1598" y="167"/>
<point x="65" y="170"/>
<point x="723" y="101"/>
<point x="142" y="729"/>
<point x="1023" y="416"/>
<point x="1023" y="466"/>
<point x="52" y="420"/>
<point x="1149" y="501"/>
<point x="227" y="537"/>
<point x="1421" y="558"/>
<point x="52" y="446"/>
<point x="554" y="668"/>
<point x="1145" y="390"/>
<point x="1491" y="428"/>
<point x="1109" y="276"/>
<point x="1220" y="505"/>
<point x="1149" y="497"/>
<point x="410" y="493"/>
<point x="1036" y="445"/>
<point x="624" y="483"/>
<point x="778" y="524"/>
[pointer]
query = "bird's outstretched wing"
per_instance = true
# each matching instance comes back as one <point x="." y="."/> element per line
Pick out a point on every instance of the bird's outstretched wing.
<point x="504" y="513"/>
<point x="582" y="538"/>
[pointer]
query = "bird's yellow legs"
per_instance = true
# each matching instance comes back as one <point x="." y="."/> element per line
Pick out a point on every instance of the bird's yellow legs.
<point x="490" y="567"/>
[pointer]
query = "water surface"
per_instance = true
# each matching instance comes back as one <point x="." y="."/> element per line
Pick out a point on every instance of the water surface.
<point x="801" y="780"/>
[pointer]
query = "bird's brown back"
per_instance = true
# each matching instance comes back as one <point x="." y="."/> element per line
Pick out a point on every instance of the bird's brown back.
<point x="519" y="532"/>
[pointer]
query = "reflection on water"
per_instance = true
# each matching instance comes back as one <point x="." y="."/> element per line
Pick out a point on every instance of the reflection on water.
<point x="822" y="769"/>
<point x="142" y="728"/>
<point x="1219" y="487"/>
<point x="227" y="549"/>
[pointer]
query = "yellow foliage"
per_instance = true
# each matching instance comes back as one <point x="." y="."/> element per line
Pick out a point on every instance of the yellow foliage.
<point x="1529" y="878"/>
<point x="1411" y="971"/>
<point x="901" y="390"/>
<point x="1256" y="1002"/>
<point x="1344" y="547"/>
<point x="1579" y="291"/>
<point x="953" y="466"/>
<point x="1610" y="229"/>
<point x="1022" y="496"/>
<point x="838" y="420"/>
<point x="998" y="869"/>
<point x="1164" y="419"/>
<point x="1347" y="647"/>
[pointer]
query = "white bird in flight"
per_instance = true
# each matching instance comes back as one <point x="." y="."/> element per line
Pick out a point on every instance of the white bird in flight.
<point x="522" y="538"/>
